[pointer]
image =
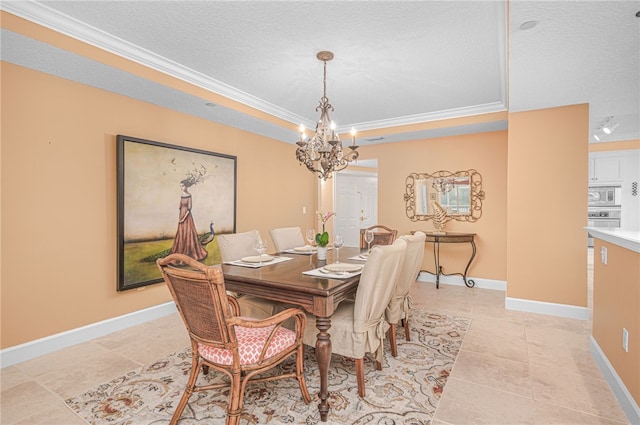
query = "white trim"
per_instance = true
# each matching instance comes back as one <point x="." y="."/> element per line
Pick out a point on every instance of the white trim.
<point x="628" y="404"/>
<point x="32" y="349"/>
<point x="551" y="309"/>
<point x="497" y="285"/>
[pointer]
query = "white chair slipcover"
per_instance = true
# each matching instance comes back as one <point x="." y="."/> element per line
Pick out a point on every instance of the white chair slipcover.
<point x="286" y="238"/>
<point x="401" y="302"/>
<point x="358" y="326"/>
<point x="234" y="246"/>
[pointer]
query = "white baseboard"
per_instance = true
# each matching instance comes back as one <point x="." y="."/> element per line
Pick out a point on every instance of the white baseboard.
<point x="498" y="285"/>
<point x="628" y="404"/>
<point x="30" y="350"/>
<point x="551" y="309"/>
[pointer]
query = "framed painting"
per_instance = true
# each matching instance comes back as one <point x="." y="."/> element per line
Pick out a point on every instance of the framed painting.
<point x="171" y="199"/>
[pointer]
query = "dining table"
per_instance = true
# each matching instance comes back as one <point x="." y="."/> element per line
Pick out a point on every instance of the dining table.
<point x="286" y="282"/>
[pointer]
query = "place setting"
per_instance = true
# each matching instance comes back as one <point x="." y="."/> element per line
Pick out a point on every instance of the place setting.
<point x="336" y="270"/>
<point x="308" y="249"/>
<point x="261" y="260"/>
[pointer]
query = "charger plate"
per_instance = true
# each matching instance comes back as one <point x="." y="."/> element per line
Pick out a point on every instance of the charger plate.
<point x="257" y="259"/>
<point x="343" y="267"/>
<point x="306" y="248"/>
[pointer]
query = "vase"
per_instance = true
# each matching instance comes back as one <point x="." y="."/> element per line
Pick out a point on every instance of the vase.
<point x="322" y="252"/>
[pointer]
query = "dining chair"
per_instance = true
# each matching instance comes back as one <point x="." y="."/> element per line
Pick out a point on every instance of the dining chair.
<point x="286" y="238"/>
<point x="382" y="235"/>
<point x="401" y="302"/>
<point x="358" y="326"/>
<point x="234" y="246"/>
<point x="224" y="340"/>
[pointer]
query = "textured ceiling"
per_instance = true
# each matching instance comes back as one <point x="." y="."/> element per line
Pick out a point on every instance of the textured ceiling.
<point x="395" y="62"/>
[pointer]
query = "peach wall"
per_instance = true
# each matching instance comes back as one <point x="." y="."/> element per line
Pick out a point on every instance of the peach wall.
<point x="484" y="152"/>
<point x="59" y="197"/>
<point x="616" y="305"/>
<point x="547" y="191"/>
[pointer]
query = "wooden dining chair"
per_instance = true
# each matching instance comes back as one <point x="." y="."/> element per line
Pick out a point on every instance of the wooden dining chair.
<point x="401" y="303"/>
<point x="286" y="238"/>
<point x="221" y="339"/>
<point x="358" y="326"/>
<point x="382" y="235"/>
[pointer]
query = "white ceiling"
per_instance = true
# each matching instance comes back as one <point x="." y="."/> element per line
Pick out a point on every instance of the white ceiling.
<point x="396" y="62"/>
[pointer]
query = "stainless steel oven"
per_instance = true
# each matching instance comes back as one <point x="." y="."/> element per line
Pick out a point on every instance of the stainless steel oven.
<point x="604" y="207"/>
<point x="608" y="217"/>
<point x="605" y="196"/>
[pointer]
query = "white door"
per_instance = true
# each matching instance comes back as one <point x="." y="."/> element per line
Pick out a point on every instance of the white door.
<point x="356" y="204"/>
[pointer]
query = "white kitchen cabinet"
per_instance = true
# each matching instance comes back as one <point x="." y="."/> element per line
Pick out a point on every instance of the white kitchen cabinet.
<point x="630" y="196"/>
<point x="605" y="169"/>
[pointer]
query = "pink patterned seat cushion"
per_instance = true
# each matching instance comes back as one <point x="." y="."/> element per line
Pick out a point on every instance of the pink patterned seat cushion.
<point x="250" y="343"/>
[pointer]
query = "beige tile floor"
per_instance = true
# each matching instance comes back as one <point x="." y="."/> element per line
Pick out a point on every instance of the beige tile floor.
<point x="514" y="368"/>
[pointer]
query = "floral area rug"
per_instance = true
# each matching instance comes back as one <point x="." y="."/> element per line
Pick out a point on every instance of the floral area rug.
<point x="406" y="390"/>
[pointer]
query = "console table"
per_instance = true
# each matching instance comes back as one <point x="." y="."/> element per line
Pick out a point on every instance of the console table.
<point x="450" y="237"/>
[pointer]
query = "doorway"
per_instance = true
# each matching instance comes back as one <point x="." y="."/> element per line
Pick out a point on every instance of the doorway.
<point x="356" y="203"/>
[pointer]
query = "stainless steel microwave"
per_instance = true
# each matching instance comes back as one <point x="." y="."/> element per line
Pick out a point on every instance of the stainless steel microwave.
<point x="605" y="196"/>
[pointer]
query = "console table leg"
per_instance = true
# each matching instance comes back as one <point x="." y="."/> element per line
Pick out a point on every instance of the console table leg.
<point x="470" y="283"/>
<point x="436" y="257"/>
<point x="323" y="356"/>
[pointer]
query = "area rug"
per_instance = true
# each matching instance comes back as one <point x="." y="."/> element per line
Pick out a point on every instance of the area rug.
<point x="406" y="390"/>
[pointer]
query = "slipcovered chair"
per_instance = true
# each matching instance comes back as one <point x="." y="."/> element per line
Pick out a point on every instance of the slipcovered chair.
<point x="382" y="235"/>
<point x="400" y="304"/>
<point x="286" y="238"/>
<point x="223" y="340"/>
<point x="234" y="246"/>
<point x="358" y="326"/>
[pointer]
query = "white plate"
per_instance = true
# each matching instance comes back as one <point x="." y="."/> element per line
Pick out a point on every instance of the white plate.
<point x="306" y="248"/>
<point x="343" y="267"/>
<point x="257" y="259"/>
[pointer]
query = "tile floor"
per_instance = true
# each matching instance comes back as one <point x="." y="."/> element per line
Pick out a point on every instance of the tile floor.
<point x="514" y="368"/>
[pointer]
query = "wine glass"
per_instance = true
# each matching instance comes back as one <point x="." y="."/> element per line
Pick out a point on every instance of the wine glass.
<point x="261" y="247"/>
<point x="368" y="238"/>
<point x="311" y="236"/>
<point x="338" y="242"/>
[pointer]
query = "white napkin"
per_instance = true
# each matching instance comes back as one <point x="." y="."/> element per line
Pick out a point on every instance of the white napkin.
<point x="276" y="260"/>
<point x="322" y="272"/>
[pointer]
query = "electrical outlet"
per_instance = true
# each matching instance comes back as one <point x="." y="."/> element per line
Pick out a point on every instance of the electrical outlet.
<point x="304" y="210"/>
<point x="603" y="255"/>
<point x="625" y="340"/>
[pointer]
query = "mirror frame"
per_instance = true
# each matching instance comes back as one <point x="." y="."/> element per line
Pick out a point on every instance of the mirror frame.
<point x="475" y="191"/>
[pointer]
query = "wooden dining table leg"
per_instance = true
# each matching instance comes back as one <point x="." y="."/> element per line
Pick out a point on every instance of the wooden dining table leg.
<point x="323" y="356"/>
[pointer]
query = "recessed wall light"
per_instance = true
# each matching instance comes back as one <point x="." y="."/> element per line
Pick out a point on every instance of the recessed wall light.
<point x="528" y="25"/>
<point x="210" y="104"/>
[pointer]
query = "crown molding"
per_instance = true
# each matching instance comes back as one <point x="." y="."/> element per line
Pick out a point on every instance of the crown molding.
<point x="42" y="15"/>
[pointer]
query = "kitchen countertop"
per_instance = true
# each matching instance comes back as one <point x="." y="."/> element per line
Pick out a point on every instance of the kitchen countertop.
<point x="629" y="239"/>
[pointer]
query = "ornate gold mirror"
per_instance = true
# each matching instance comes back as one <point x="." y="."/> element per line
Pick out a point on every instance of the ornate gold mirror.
<point x="459" y="193"/>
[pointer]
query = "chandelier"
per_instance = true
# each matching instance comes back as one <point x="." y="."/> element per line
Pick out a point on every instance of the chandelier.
<point x="442" y="184"/>
<point x="323" y="152"/>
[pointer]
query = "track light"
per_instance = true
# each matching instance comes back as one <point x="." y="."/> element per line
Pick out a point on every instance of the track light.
<point x="607" y="127"/>
<point x="610" y="125"/>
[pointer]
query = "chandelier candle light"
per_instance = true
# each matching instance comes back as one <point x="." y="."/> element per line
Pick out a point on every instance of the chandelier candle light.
<point x="323" y="153"/>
